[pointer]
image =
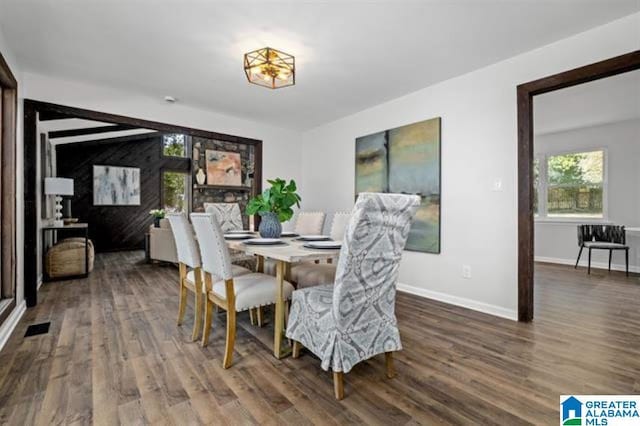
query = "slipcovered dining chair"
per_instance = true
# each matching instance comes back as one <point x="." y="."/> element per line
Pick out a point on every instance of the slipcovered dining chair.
<point x="602" y="237"/>
<point x="232" y="292"/>
<point x="228" y="214"/>
<point x="189" y="267"/>
<point x="354" y="319"/>
<point x="229" y="217"/>
<point x="307" y="274"/>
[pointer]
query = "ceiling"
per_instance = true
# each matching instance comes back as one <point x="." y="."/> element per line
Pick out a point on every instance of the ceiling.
<point x="350" y="55"/>
<point x="599" y="102"/>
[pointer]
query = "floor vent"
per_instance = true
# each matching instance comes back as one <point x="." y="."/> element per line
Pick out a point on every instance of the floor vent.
<point x="35" y="329"/>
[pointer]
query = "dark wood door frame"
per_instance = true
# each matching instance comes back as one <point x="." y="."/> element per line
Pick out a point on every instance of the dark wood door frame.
<point x="8" y="109"/>
<point x="526" y="92"/>
<point x="47" y="111"/>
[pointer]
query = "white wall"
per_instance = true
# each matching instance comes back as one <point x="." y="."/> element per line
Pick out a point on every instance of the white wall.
<point x="479" y="138"/>
<point x="8" y="324"/>
<point x="557" y="241"/>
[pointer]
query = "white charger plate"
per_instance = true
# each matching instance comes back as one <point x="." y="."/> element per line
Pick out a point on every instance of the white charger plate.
<point x="263" y="241"/>
<point x="314" y="238"/>
<point x="237" y="236"/>
<point x="239" y="231"/>
<point x="324" y="245"/>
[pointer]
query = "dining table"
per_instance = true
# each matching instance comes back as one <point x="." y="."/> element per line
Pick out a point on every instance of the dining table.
<point x="291" y="250"/>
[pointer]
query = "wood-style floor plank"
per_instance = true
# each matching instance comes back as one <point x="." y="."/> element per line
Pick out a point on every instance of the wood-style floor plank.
<point x="114" y="355"/>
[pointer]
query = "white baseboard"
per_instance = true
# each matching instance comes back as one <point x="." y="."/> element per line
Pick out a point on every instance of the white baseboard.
<point x="10" y="323"/>
<point x="486" y="308"/>
<point x="584" y="263"/>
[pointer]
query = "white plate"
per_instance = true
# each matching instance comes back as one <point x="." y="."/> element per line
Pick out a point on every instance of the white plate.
<point x="237" y="236"/>
<point x="263" y="241"/>
<point x="239" y="231"/>
<point x="314" y="237"/>
<point x="324" y="244"/>
<point x="288" y="234"/>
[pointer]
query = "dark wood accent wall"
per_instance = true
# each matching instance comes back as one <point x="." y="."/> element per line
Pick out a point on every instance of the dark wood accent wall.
<point x="117" y="227"/>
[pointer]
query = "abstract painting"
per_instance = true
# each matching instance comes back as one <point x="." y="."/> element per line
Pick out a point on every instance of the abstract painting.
<point x="116" y="186"/>
<point x="223" y="168"/>
<point x="406" y="160"/>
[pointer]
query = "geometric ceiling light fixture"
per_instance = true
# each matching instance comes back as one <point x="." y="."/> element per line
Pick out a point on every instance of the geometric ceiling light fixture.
<point x="270" y="68"/>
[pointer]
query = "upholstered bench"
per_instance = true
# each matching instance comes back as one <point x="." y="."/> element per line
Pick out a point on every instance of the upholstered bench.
<point x="66" y="258"/>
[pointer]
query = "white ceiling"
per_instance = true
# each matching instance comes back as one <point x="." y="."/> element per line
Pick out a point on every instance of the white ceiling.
<point x="350" y="55"/>
<point x="608" y="100"/>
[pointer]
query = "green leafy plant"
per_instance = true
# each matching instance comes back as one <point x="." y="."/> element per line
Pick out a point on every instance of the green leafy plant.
<point x="279" y="199"/>
<point x="157" y="213"/>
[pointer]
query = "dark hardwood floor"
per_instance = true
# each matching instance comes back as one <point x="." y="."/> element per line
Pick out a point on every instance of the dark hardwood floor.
<point x="114" y="355"/>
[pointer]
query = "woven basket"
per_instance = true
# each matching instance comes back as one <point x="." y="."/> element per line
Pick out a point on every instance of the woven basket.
<point x="67" y="258"/>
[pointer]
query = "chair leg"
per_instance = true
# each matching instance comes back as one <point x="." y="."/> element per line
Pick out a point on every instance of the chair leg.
<point x="259" y="316"/>
<point x="183" y="302"/>
<point x="579" y="254"/>
<point x="231" y="338"/>
<point x="338" y="384"/>
<point x="626" y="256"/>
<point x="297" y="346"/>
<point x="252" y="316"/>
<point x="208" y="313"/>
<point x="610" y="256"/>
<point x="197" y="320"/>
<point x="388" y="360"/>
<point x="286" y="314"/>
<point x="589" y="266"/>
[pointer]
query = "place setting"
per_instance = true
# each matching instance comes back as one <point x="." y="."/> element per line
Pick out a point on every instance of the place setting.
<point x="323" y="244"/>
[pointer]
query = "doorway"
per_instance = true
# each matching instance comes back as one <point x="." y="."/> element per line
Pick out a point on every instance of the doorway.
<point x="526" y="160"/>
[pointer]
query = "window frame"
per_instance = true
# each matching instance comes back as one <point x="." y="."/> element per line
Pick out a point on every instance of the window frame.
<point x="187" y="145"/>
<point x="543" y="187"/>
<point x="188" y="185"/>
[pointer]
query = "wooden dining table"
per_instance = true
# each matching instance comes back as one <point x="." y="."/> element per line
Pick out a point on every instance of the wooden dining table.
<point x="289" y="252"/>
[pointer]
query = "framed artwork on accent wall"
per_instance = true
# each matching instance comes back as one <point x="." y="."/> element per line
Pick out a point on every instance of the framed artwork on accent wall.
<point x="406" y="160"/>
<point x="116" y="186"/>
<point x="223" y="168"/>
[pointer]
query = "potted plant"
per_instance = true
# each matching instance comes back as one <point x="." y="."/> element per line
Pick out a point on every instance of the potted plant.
<point x="274" y="206"/>
<point x="157" y="215"/>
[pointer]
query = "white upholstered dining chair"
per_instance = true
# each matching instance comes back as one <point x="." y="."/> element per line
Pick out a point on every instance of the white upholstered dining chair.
<point x="309" y="223"/>
<point x="354" y="319"/>
<point x="307" y="274"/>
<point x="189" y="267"/>
<point x="306" y="223"/>
<point x="223" y="287"/>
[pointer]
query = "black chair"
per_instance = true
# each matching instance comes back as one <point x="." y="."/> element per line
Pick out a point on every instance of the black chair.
<point x="602" y="237"/>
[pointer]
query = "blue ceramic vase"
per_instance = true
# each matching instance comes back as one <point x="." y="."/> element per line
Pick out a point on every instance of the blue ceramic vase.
<point x="270" y="226"/>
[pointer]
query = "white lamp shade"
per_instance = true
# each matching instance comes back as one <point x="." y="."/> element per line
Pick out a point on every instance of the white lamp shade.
<point x="58" y="186"/>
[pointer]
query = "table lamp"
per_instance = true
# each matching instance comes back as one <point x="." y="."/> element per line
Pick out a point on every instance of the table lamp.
<point x="58" y="187"/>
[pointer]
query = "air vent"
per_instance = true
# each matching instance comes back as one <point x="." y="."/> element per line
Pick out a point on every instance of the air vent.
<point x="35" y="329"/>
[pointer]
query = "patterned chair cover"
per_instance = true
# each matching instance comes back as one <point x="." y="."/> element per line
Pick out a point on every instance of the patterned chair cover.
<point x="228" y="215"/>
<point x="353" y="320"/>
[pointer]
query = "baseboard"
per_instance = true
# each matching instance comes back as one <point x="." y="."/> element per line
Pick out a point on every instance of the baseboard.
<point x="584" y="263"/>
<point x="463" y="302"/>
<point x="10" y="323"/>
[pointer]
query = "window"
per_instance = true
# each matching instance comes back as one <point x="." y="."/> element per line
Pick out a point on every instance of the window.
<point x="174" y="192"/>
<point x="570" y="185"/>
<point x="174" y="145"/>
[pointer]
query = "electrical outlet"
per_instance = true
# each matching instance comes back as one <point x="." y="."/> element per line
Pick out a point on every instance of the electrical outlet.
<point x="466" y="271"/>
